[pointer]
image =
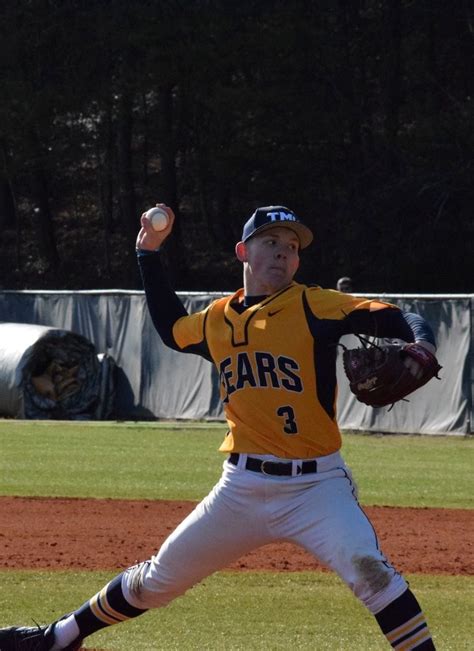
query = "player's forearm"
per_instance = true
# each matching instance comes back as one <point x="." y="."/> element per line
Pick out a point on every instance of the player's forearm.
<point x="163" y="304"/>
<point x="422" y="331"/>
<point x="407" y="326"/>
<point x="390" y="323"/>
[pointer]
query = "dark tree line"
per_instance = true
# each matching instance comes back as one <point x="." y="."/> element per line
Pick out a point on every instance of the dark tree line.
<point x="356" y="114"/>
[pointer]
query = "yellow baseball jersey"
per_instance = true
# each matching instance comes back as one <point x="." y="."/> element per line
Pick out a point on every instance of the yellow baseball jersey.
<point x="277" y="364"/>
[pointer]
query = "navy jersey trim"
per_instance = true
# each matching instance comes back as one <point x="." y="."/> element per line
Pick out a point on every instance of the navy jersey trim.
<point x="325" y="335"/>
<point x="245" y="340"/>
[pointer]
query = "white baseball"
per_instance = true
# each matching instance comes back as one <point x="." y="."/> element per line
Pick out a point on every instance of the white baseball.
<point x="158" y="217"/>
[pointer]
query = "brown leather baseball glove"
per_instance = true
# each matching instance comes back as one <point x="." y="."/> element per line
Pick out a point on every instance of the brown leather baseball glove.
<point x="382" y="375"/>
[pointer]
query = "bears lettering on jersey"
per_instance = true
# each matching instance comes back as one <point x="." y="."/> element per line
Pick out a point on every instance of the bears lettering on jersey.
<point x="259" y="370"/>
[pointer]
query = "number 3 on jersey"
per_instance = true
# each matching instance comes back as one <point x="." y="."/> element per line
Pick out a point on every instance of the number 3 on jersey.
<point x="287" y="412"/>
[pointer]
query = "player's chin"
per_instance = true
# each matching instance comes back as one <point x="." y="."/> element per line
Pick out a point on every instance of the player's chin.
<point x="278" y="279"/>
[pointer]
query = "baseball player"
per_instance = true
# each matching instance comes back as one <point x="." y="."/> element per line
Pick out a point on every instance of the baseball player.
<point x="274" y="343"/>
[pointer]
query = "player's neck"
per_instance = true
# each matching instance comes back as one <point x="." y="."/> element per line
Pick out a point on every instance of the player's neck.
<point x="252" y="287"/>
<point x="253" y="300"/>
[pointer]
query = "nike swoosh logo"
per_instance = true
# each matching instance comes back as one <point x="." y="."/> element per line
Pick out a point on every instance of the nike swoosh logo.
<point x="275" y="312"/>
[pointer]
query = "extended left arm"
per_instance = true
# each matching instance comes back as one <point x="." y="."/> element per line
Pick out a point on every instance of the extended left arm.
<point x="391" y="323"/>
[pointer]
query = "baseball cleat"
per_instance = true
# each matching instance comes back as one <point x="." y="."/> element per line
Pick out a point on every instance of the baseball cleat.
<point x="34" y="638"/>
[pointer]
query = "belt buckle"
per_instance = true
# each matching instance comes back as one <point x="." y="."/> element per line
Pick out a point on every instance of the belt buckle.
<point x="262" y="467"/>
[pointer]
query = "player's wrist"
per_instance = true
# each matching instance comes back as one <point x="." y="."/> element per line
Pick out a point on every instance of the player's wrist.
<point x="431" y="348"/>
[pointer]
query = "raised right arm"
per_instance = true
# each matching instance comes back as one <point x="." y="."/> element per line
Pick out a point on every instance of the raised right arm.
<point x="164" y="305"/>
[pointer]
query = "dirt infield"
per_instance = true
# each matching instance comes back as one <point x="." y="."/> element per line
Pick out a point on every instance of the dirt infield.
<point x="56" y="533"/>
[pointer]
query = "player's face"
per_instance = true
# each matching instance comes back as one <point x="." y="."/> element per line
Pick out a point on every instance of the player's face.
<point x="271" y="260"/>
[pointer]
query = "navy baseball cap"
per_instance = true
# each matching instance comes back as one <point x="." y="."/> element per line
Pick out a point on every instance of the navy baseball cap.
<point x="271" y="216"/>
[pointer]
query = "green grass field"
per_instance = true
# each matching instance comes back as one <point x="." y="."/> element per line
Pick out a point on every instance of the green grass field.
<point x="258" y="610"/>
<point x="245" y="611"/>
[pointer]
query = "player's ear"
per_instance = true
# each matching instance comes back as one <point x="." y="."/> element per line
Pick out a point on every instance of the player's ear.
<point x="241" y="251"/>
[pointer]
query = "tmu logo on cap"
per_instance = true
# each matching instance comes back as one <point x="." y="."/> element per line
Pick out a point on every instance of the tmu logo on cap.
<point x="280" y="216"/>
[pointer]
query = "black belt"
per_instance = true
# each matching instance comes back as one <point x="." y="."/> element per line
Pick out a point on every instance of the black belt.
<point x="275" y="467"/>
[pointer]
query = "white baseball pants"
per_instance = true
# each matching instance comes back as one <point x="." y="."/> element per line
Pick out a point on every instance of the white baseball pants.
<point x="246" y="510"/>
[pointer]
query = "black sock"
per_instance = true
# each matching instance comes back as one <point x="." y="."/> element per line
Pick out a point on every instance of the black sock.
<point x="106" y="608"/>
<point x="404" y="624"/>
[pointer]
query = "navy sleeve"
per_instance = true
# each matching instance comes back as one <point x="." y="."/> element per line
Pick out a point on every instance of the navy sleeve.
<point x="163" y="303"/>
<point x="421" y="329"/>
<point x="390" y="324"/>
